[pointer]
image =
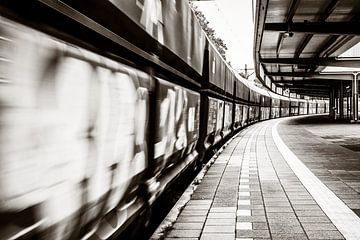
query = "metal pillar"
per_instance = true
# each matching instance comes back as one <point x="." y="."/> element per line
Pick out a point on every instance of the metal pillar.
<point x="332" y="110"/>
<point x="355" y="97"/>
<point x="349" y="106"/>
<point x="341" y="100"/>
<point x="330" y="103"/>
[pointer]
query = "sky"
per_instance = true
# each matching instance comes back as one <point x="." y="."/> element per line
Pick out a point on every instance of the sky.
<point x="233" y="22"/>
<point x="352" y="52"/>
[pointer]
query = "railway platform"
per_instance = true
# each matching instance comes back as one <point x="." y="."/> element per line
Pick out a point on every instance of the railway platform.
<point x="292" y="178"/>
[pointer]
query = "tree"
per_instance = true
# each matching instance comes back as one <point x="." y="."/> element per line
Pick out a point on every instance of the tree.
<point x="210" y="32"/>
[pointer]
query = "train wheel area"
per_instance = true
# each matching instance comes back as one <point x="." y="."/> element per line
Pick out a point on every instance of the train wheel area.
<point x="292" y="178"/>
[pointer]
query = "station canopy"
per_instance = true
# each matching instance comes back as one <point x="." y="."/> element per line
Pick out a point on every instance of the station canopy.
<point x="296" y="41"/>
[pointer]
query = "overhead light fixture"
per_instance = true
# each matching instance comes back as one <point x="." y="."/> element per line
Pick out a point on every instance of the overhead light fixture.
<point x="288" y="34"/>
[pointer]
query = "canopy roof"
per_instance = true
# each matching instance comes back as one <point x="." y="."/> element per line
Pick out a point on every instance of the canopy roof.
<point x="296" y="39"/>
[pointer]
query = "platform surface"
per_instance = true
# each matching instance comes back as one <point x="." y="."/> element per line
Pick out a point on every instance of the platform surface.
<point x="292" y="178"/>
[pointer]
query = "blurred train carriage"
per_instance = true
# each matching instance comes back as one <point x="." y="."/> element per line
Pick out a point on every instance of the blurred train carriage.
<point x="284" y="106"/>
<point x="98" y="119"/>
<point x="265" y="108"/>
<point x="320" y="106"/>
<point x="177" y="127"/>
<point x="303" y="110"/>
<point x="228" y="119"/>
<point x="294" y="107"/>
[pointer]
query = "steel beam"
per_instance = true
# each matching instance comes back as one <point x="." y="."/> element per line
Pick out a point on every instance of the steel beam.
<point x="313" y="75"/>
<point x="332" y="28"/>
<point x="327" y="61"/>
<point x="309" y="88"/>
<point x="287" y="85"/>
<point x="326" y="13"/>
<point x="294" y="5"/>
<point x="307" y="81"/>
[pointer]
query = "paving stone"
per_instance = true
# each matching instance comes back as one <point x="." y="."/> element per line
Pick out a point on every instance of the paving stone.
<point x="244" y="194"/>
<point x="258" y="212"/>
<point x="244" y="226"/>
<point x="318" y="226"/>
<point x="306" y="207"/>
<point x="244" y="207"/>
<point x="184" y="233"/>
<point x="223" y="209"/>
<point x="200" y="202"/>
<point x="221" y="215"/>
<point x="260" y="226"/>
<point x="255" y="207"/>
<point x="285" y="228"/>
<point x="283" y="220"/>
<point x="222" y="236"/>
<point x="188" y="226"/>
<point x="279" y="209"/>
<point x="218" y="229"/>
<point x="251" y="219"/>
<point x="312" y="213"/>
<point x="256" y="201"/>
<point x="244" y="202"/>
<point x="292" y="236"/>
<point x="187" y="212"/>
<point x="243" y="212"/>
<point x="324" y="235"/>
<point x="302" y="201"/>
<point x="277" y="204"/>
<point x="222" y="203"/>
<point x="259" y="197"/>
<point x="252" y="233"/>
<point x="191" y="219"/>
<point x="220" y="221"/>
<point x="272" y="199"/>
<point x="300" y="197"/>
<point x="197" y="207"/>
<point x="280" y="215"/>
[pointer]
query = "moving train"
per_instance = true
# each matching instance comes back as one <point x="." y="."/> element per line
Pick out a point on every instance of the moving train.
<point x="101" y="113"/>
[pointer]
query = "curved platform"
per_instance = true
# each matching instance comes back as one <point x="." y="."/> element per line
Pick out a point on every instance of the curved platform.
<point x="290" y="178"/>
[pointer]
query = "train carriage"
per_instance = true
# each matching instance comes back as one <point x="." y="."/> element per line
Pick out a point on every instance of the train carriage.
<point x="303" y="109"/>
<point x="294" y="107"/>
<point x="228" y="119"/>
<point x="275" y="105"/>
<point x="238" y="115"/>
<point x="284" y="106"/>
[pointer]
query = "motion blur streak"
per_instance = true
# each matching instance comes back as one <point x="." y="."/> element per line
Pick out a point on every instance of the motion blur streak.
<point x="72" y="135"/>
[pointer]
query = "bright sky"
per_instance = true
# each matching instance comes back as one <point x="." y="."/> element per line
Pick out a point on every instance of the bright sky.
<point x="352" y="52"/>
<point x="232" y="21"/>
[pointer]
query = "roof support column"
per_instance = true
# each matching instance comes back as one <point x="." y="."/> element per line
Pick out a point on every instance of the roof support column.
<point x="355" y="97"/>
<point x="332" y="109"/>
<point x="341" y="100"/>
<point x="348" y="101"/>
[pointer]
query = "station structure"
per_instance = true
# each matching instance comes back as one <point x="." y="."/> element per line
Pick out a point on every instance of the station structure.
<point x="300" y="46"/>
